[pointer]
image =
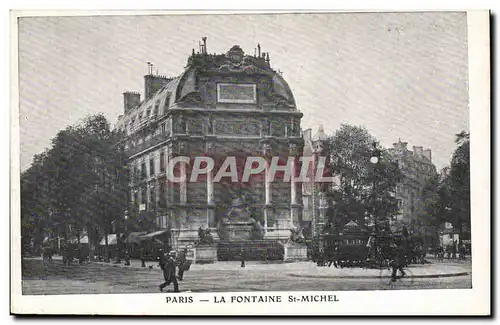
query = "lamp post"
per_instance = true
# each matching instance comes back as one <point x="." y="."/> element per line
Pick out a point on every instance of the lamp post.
<point x="375" y="160"/>
<point x="127" y="255"/>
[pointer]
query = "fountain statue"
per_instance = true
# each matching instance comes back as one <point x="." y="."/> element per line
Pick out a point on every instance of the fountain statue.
<point x="239" y="225"/>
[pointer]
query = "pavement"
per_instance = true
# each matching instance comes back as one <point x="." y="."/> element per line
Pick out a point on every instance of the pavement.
<point x="106" y="278"/>
<point x="434" y="269"/>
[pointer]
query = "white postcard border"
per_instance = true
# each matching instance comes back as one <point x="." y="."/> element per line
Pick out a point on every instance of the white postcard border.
<point x="428" y="302"/>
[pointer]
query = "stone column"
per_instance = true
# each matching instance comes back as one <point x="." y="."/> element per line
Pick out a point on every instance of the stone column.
<point x="268" y="208"/>
<point x="157" y="199"/>
<point x="170" y="185"/>
<point x="294" y="205"/>
<point x="210" y="192"/>
<point x="183" y="184"/>
<point x="139" y="196"/>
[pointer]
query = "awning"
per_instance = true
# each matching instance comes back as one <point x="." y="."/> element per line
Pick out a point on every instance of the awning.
<point x="83" y="240"/>
<point x="111" y="240"/>
<point x="154" y="234"/>
<point x="135" y="237"/>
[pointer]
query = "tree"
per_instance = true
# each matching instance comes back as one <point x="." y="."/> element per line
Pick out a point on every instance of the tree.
<point x="78" y="184"/>
<point x="459" y="183"/>
<point x="454" y="187"/>
<point x="364" y="187"/>
<point x="429" y="211"/>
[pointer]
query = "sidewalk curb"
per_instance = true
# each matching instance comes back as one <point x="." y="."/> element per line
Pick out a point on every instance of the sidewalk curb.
<point x="428" y="276"/>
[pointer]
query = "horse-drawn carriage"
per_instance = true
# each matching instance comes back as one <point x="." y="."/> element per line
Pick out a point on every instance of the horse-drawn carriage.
<point x="342" y="249"/>
<point x="356" y="247"/>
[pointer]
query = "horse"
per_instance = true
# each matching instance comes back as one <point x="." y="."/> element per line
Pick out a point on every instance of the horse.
<point x="47" y="253"/>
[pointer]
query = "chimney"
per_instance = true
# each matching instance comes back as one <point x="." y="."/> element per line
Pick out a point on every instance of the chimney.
<point x="153" y="83"/>
<point x="418" y="151"/>
<point x="204" y="45"/>
<point x="427" y="154"/>
<point x="130" y="100"/>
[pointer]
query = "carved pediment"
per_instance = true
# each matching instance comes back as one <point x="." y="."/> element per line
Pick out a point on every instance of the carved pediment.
<point x="244" y="67"/>
<point x="280" y="101"/>
<point x="194" y="98"/>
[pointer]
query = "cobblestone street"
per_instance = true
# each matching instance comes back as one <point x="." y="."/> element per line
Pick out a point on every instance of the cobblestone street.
<point x="102" y="278"/>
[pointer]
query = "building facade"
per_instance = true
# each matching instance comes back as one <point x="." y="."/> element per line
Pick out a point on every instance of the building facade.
<point x="318" y="206"/>
<point x="416" y="167"/>
<point x="222" y="105"/>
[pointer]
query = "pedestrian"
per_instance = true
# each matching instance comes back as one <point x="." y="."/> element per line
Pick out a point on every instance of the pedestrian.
<point x="462" y="251"/>
<point x="167" y="264"/>
<point x="242" y="256"/>
<point x="127" y="257"/>
<point x="141" y="256"/>
<point x="182" y="263"/>
<point x="399" y="259"/>
<point x="454" y="249"/>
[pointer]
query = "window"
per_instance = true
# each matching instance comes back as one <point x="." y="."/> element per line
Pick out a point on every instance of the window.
<point x="152" y="199"/>
<point x="148" y="112"/>
<point x="167" y="102"/>
<point x="195" y="126"/>
<point x="163" y="128"/>
<point x="143" y="196"/>
<point x="305" y="201"/>
<point x="136" y="172"/>
<point x="143" y="170"/>
<point x="278" y="129"/>
<point x="136" y="200"/>
<point x="163" y="195"/>
<point x="157" y="106"/>
<point x="162" y="162"/>
<point x="140" y="117"/>
<point x="151" y="167"/>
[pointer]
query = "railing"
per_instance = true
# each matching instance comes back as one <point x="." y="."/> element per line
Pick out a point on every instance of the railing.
<point x="146" y="144"/>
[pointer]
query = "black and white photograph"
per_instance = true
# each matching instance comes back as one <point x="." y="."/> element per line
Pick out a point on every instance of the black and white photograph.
<point x="216" y="161"/>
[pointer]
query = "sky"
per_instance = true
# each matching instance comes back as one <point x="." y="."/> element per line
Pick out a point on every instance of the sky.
<point x="400" y="75"/>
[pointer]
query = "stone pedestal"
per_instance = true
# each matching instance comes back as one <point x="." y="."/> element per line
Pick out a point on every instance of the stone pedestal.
<point x="295" y="252"/>
<point x="205" y="254"/>
<point x="184" y="237"/>
<point x="239" y="231"/>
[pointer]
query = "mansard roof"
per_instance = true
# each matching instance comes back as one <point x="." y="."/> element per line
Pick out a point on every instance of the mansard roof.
<point x="183" y="88"/>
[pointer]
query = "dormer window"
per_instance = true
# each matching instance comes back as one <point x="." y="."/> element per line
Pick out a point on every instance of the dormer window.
<point x="155" y="111"/>
<point x="167" y="102"/>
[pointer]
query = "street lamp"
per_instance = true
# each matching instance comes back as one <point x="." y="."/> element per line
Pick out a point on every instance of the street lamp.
<point x="375" y="159"/>
<point x="127" y="257"/>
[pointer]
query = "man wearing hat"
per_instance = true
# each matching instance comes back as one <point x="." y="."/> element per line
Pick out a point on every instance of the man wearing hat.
<point x="167" y="264"/>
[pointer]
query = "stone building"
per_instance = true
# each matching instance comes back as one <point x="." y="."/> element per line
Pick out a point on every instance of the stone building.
<point x="229" y="104"/>
<point x="416" y="167"/>
<point x="317" y="206"/>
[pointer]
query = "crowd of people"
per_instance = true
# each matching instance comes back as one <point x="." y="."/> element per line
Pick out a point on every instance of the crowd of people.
<point x="453" y="250"/>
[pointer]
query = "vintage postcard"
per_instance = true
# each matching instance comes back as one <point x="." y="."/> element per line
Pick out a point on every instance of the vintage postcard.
<point x="250" y="163"/>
